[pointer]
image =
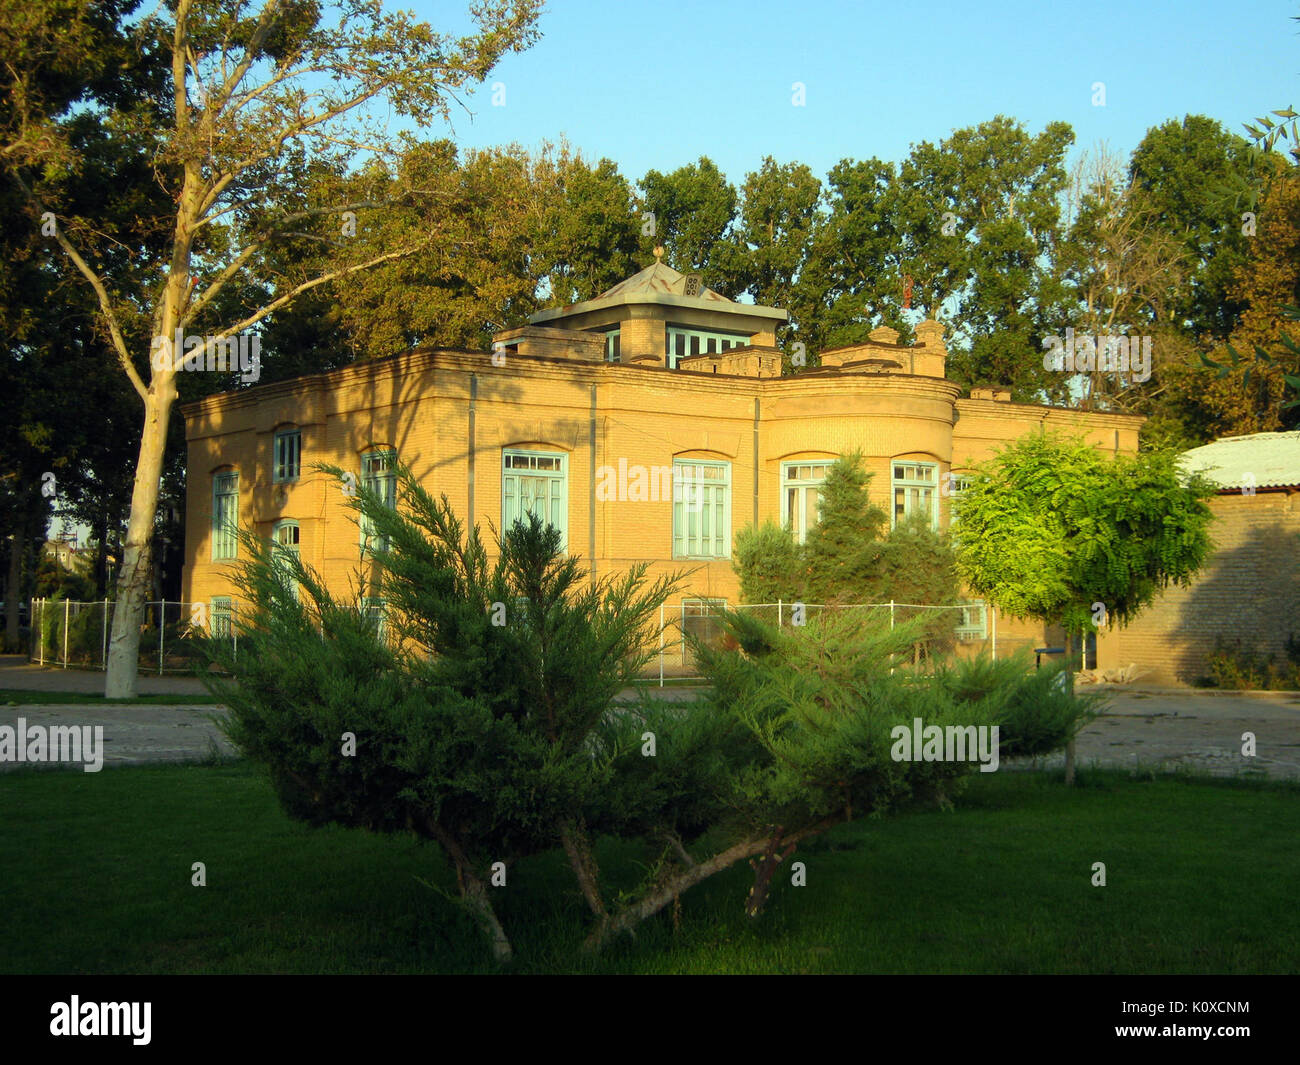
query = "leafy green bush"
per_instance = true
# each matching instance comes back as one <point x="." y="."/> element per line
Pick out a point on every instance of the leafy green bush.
<point x="486" y="722"/>
<point x="1234" y="667"/>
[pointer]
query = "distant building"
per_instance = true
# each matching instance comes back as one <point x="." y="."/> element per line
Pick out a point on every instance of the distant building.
<point x="1250" y="588"/>
<point x="648" y="424"/>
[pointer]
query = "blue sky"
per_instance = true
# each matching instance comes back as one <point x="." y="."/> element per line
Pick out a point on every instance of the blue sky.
<point x="658" y="85"/>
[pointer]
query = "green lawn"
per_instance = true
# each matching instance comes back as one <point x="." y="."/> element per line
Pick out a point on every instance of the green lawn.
<point x="22" y="696"/>
<point x="1201" y="879"/>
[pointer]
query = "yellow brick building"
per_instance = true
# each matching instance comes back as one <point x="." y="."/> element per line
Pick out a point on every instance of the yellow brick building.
<point x="649" y="424"/>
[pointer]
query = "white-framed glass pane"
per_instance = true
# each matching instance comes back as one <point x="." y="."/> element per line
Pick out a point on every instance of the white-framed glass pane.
<point x="220" y="615"/>
<point x="225" y="515"/>
<point x="801" y="495"/>
<point x="535" y="482"/>
<point x="379" y="475"/>
<point x="701" y="509"/>
<point x="914" y="491"/>
<point x="288" y="455"/>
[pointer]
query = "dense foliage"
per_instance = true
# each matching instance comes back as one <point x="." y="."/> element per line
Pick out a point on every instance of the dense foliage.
<point x="485" y="717"/>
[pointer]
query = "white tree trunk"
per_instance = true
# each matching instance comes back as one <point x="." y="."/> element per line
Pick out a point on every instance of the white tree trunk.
<point x="134" y="577"/>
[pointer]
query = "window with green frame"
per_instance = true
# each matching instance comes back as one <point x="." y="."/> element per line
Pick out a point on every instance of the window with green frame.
<point x="801" y="492"/>
<point x="915" y="491"/>
<point x="702" y="619"/>
<point x="225" y="515"/>
<point x="379" y="474"/>
<point x="973" y="623"/>
<point x="535" y="482"/>
<point x="220" y="616"/>
<point x="284" y="538"/>
<point x="376" y="612"/>
<point x="954" y="485"/>
<point x="287" y="455"/>
<point x="681" y="341"/>
<point x="701" y="509"/>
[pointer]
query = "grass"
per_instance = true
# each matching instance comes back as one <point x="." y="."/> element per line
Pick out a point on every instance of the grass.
<point x="23" y="696"/>
<point x="1200" y="874"/>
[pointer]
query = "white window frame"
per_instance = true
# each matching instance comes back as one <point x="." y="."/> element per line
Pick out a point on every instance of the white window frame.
<point x="978" y="629"/>
<point x="293" y="548"/>
<point x="225" y="519"/>
<point x="385" y="481"/>
<point x="696" y="495"/>
<point x="722" y="341"/>
<point x="908" y="485"/>
<point x="221" y="615"/>
<point x="709" y="606"/>
<point x="798" y="522"/>
<point x="375" y="608"/>
<point x="286" y="455"/>
<point x="557" y="488"/>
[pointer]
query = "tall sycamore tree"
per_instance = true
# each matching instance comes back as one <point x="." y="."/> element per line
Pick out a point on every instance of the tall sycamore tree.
<point x="255" y="91"/>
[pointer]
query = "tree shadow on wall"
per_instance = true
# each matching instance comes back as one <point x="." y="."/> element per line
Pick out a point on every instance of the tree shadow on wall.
<point x="1251" y="598"/>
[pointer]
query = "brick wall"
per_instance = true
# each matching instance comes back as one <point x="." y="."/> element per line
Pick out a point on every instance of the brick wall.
<point x="1249" y="590"/>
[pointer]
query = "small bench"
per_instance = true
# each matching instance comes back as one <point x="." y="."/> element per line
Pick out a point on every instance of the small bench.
<point x="1040" y="651"/>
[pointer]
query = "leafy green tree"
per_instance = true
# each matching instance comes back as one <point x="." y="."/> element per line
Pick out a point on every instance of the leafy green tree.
<point x="849" y="556"/>
<point x="1053" y="530"/>
<point x="694" y="208"/>
<point x="773" y="235"/>
<point x="484" y="719"/>
<point x="969" y="228"/>
<point x="248" y="94"/>
<point x="1178" y="171"/>
<point x="843" y="549"/>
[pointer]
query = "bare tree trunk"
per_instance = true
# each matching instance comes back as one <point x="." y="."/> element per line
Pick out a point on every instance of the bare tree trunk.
<point x="667" y="892"/>
<point x="578" y="847"/>
<point x="134" y="578"/>
<point x="473" y="891"/>
<point x="15" y="595"/>
<point x="475" y="894"/>
<point x="764" y="870"/>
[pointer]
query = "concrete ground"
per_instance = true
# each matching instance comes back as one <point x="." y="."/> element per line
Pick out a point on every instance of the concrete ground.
<point x="16" y="672"/>
<point x="1142" y="729"/>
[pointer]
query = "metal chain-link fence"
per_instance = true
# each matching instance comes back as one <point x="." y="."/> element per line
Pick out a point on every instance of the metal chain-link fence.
<point x="66" y="633"/>
<point x="956" y="629"/>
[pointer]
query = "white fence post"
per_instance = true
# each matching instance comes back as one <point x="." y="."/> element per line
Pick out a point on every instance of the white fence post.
<point x="39" y="629"/>
<point x="891" y="628"/>
<point x="661" y="645"/>
<point x="780" y="612"/>
<point x="67" y="609"/>
<point x="162" y="618"/>
<point x="103" y="650"/>
<point x="993" y="611"/>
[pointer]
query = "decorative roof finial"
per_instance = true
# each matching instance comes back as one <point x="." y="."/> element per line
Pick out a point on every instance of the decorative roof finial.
<point x="659" y="253"/>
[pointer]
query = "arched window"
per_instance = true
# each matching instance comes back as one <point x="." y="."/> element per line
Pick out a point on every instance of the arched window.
<point x="225" y="515"/>
<point x="379" y="474"/>
<point x="535" y="482"/>
<point x="285" y="536"/>
<point x="286" y="457"/>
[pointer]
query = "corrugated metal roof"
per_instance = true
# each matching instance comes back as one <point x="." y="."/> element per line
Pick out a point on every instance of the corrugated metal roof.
<point x="1262" y="460"/>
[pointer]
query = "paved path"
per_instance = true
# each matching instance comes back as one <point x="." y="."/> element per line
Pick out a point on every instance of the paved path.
<point x="16" y="672"/>
<point x="1158" y="729"/>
